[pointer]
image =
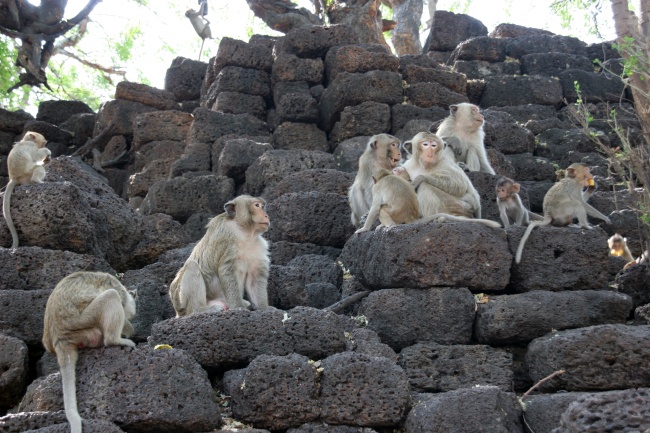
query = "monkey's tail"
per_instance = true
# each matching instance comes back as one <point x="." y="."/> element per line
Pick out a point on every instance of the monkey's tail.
<point x="6" y="212"/>
<point x="457" y="218"/>
<point x="201" y="50"/>
<point x="67" y="356"/>
<point x="524" y="238"/>
<point x="535" y="217"/>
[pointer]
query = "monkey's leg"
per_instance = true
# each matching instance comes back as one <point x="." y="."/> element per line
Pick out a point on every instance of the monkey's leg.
<point x="590" y="210"/>
<point x="38" y="174"/>
<point x="473" y="162"/>
<point x="370" y="219"/>
<point x="385" y="218"/>
<point x="107" y="309"/>
<point x="66" y="355"/>
<point x="193" y="291"/>
<point x="581" y="214"/>
<point x="256" y="289"/>
<point x="504" y="216"/>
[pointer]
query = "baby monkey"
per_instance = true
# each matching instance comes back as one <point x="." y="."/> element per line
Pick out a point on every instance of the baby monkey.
<point x="618" y="247"/>
<point x="86" y="309"/>
<point x="25" y="165"/>
<point x="510" y="205"/>
<point x="394" y="200"/>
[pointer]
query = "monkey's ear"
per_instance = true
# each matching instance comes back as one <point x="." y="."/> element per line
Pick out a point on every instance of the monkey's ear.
<point x="516" y="187"/>
<point x="453" y="109"/>
<point x="408" y="146"/>
<point x="133" y="293"/>
<point x="373" y="144"/>
<point x="29" y="136"/>
<point x="230" y="209"/>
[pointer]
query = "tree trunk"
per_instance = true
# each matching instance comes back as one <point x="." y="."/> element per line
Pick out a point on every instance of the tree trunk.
<point x="282" y="15"/>
<point x="363" y="16"/>
<point x="629" y="26"/>
<point x="406" y="36"/>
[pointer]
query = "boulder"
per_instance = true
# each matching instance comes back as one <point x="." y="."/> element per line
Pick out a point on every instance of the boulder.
<point x="14" y="369"/>
<point x="147" y="95"/>
<point x="184" y="77"/>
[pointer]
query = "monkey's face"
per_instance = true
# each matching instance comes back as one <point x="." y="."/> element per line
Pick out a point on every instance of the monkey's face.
<point x="259" y="216"/>
<point x="393" y="154"/>
<point x="616" y="245"/>
<point x="503" y="192"/>
<point x="428" y="150"/>
<point x="477" y="117"/>
<point x="581" y="174"/>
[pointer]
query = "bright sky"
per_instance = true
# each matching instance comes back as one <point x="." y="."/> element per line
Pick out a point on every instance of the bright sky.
<point x="168" y="27"/>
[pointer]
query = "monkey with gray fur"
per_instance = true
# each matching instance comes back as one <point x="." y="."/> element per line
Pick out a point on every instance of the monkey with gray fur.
<point x="463" y="132"/>
<point x="510" y="205"/>
<point x="230" y="259"/>
<point x="382" y="152"/>
<point x="85" y="309"/>
<point x="443" y="189"/>
<point x="25" y="166"/>
<point x="201" y="26"/>
<point x="564" y="202"/>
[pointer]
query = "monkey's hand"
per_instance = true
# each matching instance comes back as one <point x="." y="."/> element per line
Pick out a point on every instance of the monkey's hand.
<point x="361" y="230"/>
<point x="418" y="181"/>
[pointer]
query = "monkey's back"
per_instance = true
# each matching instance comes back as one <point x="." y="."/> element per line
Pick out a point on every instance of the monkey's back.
<point x="20" y="159"/>
<point x="70" y="298"/>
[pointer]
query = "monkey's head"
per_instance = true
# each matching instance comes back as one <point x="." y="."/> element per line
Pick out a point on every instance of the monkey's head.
<point x="617" y="245"/>
<point x="249" y="213"/>
<point x="386" y="149"/>
<point x="190" y="13"/>
<point x="401" y="172"/>
<point x="426" y="147"/>
<point x="468" y="114"/>
<point x="36" y="138"/>
<point x="382" y="173"/>
<point x="506" y="188"/>
<point x="581" y="174"/>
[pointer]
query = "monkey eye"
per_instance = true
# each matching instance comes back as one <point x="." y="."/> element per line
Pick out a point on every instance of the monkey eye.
<point x="427" y="143"/>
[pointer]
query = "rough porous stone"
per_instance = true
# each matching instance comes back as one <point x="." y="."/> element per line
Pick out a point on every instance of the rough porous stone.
<point x="348" y="152"/>
<point x="184" y="77"/>
<point x="477" y="69"/>
<point x="297" y="107"/>
<point x="521" y="318"/>
<point x="160" y="125"/>
<point x="314" y="217"/>
<point x="315" y="41"/>
<point x="451" y="80"/>
<point x="358" y="58"/>
<point x="594" y="87"/>
<point x="597" y="358"/>
<point x="237" y="155"/>
<point x="401" y="114"/>
<point x="323" y="180"/>
<point x="449" y="29"/>
<point x="481" y="48"/>
<point x="404" y="256"/>
<point x="553" y="63"/>
<point x="519" y="46"/>
<point x="559" y="258"/>
<point x="635" y="281"/>
<point x="440" y="315"/>
<point x="431" y="367"/>
<point x="543" y="411"/>
<point x="14" y="121"/>
<point x="122" y="114"/>
<point x="123" y="385"/>
<point x="318" y="269"/>
<point x="57" y="112"/>
<point x="13" y="371"/>
<point x="367" y="118"/>
<point x="479" y="409"/>
<point x="274" y="392"/>
<point x="520" y="90"/>
<point x="362" y="390"/>
<point x="431" y="94"/>
<point x="319" y="427"/>
<point x="210" y="125"/>
<point x="288" y="67"/>
<point x="611" y="412"/>
<point x="282" y="252"/>
<point x="305" y="136"/>
<point x="181" y="197"/>
<point x="234" y="338"/>
<point x="51" y="422"/>
<point x="532" y="168"/>
<point x="147" y="95"/>
<point x="275" y="165"/>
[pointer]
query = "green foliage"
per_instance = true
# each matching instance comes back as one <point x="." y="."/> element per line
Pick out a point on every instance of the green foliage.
<point x="9" y="76"/>
<point x="460" y="6"/>
<point x="124" y="47"/>
<point x="580" y="13"/>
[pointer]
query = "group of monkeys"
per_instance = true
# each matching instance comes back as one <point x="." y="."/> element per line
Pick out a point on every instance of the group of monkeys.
<point x="93" y="309"/>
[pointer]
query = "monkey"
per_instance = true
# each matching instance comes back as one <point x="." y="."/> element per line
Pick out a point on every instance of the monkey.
<point x="510" y="205"/>
<point x="618" y="247"/>
<point x="394" y="200"/>
<point x="564" y="202"/>
<point x="230" y="259"/>
<point x="444" y="191"/>
<point x="201" y="25"/>
<point x="643" y="258"/>
<point x="25" y="164"/>
<point x="382" y="151"/>
<point x="85" y="309"/>
<point x="463" y="132"/>
<point x="401" y="172"/>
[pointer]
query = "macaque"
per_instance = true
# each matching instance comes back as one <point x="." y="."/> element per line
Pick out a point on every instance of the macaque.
<point x="463" y="131"/>
<point x="643" y="258"/>
<point x="441" y="185"/>
<point x="510" y="205"/>
<point x="85" y="310"/>
<point x="618" y="247"/>
<point x="382" y="151"/>
<point x="564" y="202"/>
<point x="25" y="166"/>
<point x="394" y="201"/>
<point x="201" y="26"/>
<point x="230" y="259"/>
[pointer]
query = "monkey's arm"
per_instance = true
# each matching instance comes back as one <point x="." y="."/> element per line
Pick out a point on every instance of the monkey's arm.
<point x="521" y="214"/>
<point x="444" y="183"/>
<point x="503" y="214"/>
<point x="591" y="211"/>
<point x="371" y="218"/>
<point x="232" y="282"/>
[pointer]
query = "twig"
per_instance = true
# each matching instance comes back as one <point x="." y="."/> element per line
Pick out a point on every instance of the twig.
<point x="106" y="134"/>
<point x="534" y="387"/>
<point x="344" y="303"/>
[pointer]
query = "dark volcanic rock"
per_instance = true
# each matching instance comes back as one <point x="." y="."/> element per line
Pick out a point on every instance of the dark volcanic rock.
<point x="234" y="338"/>
<point x="13" y="371"/>
<point x="315" y="41"/>
<point x="184" y="77"/>
<point x="404" y="256"/>
<point x="124" y="386"/>
<point x="520" y="90"/>
<point x="635" y="281"/>
<point x="599" y="358"/>
<point x="480" y="409"/>
<point x="559" y="258"/>
<point x="522" y="318"/>
<point x="449" y="29"/>
<point x="440" y="315"/>
<point x="274" y="392"/>
<point x="608" y="412"/>
<point x="322" y="180"/>
<point x="57" y="112"/>
<point x="362" y="390"/>
<point x="543" y="411"/>
<point x="147" y="95"/>
<point x="431" y="367"/>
